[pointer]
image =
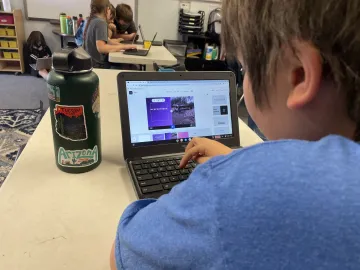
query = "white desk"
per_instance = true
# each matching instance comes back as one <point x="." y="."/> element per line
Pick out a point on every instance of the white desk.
<point x="157" y="54"/>
<point x="50" y="220"/>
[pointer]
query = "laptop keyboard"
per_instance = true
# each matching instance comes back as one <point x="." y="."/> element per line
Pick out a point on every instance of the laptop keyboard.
<point x="160" y="174"/>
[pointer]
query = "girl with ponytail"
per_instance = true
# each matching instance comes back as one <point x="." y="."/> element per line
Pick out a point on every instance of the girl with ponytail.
<point x="96" y="40"/>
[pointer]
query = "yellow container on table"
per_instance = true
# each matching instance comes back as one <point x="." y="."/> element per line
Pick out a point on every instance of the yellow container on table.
<point x="12" y="44"/>
<point x="7" y="55"/>
<point x="147" y="44"/>
<point x="10" y="32"/>
<point x="15" y="55"/>
<point x="2" y="32"/>
<point x="4" y="44"/>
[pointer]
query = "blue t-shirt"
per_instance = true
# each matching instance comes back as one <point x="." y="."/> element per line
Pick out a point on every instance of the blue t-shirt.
<point x="278" y="205"/>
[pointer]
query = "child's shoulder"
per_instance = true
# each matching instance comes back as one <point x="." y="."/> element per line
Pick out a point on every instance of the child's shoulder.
<point x="332" y="154"/>
<point x="97" y="20"/>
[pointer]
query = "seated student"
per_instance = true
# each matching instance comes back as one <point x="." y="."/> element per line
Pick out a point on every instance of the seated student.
<point x="125" y="25"/>
<point x="96" y="39"/>
<point x="291" y="203"/>
<point x="36" y="47"/>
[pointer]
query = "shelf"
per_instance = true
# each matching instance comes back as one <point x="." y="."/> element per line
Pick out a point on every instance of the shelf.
<point x="4" y="24"/>
<point x="7" y="36"/>
<point x="5" y="12"/>
<point x="11" y="69"/>
<point x="10" y="60"/>
<point x="10" y="49"/>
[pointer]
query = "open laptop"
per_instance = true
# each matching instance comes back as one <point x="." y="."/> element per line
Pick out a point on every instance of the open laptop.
<point x="139" y="52"/>
<point x="162" y="112"/>
<point x="41" y="63"/>
<point x="154" y="43"/>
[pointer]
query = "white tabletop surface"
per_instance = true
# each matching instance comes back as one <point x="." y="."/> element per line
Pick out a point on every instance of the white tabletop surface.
<point x="52" y="220"/>
<point x="157" y="54"/>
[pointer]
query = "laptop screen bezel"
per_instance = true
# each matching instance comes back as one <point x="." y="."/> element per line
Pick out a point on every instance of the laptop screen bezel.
<point x="130" y="151"/>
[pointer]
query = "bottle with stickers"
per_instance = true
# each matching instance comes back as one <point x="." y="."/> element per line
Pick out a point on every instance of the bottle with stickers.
<point x="73" y="90"/>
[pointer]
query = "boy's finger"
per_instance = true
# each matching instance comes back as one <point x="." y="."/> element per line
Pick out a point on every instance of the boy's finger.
<point x="192" y="143"/>
<point x="193" y="152"/>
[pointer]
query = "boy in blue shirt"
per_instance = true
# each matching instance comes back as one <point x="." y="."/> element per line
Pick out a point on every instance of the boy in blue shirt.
<point x="293" y="202"/>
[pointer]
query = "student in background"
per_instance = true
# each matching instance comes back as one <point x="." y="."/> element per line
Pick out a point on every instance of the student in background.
<point x="290" y="203"/>
<point x="97" y="42"/>
<point x="111" y="14"/>
<point x="37" y="47"/>
<point x="124" y="22"/>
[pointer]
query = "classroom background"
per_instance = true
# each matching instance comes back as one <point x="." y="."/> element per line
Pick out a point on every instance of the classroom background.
<point x="160" y="16"/>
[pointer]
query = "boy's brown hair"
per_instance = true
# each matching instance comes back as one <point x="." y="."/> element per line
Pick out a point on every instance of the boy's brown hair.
<point x="96" y="7"/>
<point x="113" y="11"/>
<point x="124" y="12"/>
<point x="258" y="29"/>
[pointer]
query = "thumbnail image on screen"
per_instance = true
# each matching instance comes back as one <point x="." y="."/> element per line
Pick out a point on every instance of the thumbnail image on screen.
<point x="170" y="112"/>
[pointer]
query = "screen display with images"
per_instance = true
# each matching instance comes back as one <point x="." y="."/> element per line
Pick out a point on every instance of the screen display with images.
<point x="176" y="111"/>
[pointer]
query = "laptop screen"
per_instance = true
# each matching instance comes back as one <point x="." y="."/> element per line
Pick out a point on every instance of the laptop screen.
<point x="163" y="112"/>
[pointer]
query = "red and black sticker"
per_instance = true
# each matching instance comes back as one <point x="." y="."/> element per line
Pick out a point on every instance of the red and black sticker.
<point x="71" y="122"/>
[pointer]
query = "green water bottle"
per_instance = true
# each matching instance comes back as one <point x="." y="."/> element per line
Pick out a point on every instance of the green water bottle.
<point x="69" y="26"/>
<point x="63" y="23"/>
<point x="75" y="111"/>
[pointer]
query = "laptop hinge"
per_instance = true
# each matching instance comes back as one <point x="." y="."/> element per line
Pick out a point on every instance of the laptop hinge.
<point x="165" y="155"/>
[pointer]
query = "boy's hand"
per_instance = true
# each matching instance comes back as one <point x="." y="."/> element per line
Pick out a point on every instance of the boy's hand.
<point x="201" y="150"/>
<point x="131" y="36"/>
<point x="118" y="40"/>
<point x="128" y="46"/>
<point x="112" y="27"/>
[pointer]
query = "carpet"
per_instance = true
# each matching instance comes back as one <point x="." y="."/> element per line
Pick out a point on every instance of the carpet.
<point x="22" y="92"/>
<point x="16" y="128"/>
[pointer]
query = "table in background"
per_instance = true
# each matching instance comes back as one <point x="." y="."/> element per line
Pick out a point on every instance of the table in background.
<point x="53" y="220"/>
<point x="62" y="36"/>
<point x="157" y="54"/>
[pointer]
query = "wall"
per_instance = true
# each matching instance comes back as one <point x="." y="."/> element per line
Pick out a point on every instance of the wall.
<point x="162" y="16"/>
<point x="44" y="27"/>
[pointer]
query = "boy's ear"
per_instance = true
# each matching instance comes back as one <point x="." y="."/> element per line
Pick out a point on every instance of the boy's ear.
<point x="305" y="75"/>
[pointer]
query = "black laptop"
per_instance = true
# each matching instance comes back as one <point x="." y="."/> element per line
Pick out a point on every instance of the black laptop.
<point x="139" y="52"/>
<point x="160" y="114"/>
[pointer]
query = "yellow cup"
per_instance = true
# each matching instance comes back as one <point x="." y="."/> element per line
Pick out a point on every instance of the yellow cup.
<point x="147" y="44"/>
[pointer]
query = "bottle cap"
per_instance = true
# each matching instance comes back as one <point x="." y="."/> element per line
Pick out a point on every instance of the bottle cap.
<point x="80" y="15"/>
<point x="62" y="14"/>
<point x="72" y="61"/>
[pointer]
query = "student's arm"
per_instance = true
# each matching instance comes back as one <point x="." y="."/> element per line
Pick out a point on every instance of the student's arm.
<point x="101" y="35"/>
<point x="110" y="33"/>
<point x="175" y="232"/>
<point x="105" y="48"/>
<point x="130" y="32"/>
<point x="126" y="36"/>
<point x="112" y="258"/>
<point x="115" y="41"/>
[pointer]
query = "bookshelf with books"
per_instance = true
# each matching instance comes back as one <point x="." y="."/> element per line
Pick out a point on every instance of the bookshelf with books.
<point x="12" y="38"/>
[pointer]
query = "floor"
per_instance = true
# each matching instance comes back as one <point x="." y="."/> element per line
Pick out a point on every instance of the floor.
<point x="22" y="92"/>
